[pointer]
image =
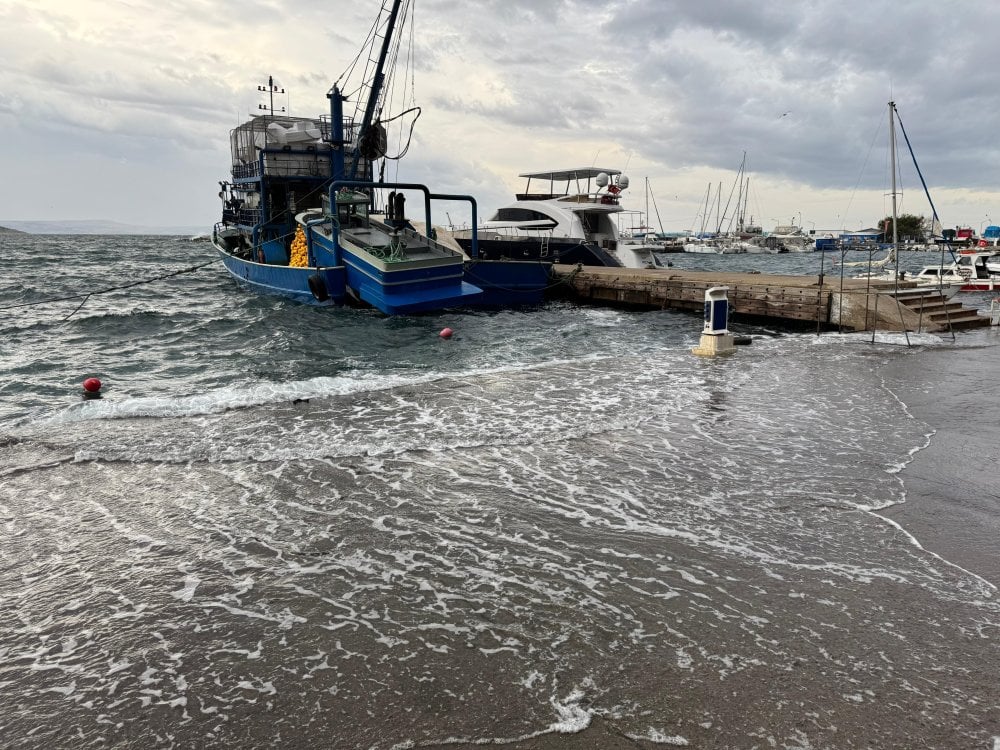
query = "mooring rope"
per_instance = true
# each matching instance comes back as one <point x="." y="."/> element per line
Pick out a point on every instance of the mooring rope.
<point x="87" y="295"/>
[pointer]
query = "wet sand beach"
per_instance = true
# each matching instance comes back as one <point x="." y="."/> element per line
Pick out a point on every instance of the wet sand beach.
<point x="952" y="486"/>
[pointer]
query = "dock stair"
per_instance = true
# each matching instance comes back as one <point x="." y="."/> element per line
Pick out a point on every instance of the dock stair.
<point x="935" y="312"/>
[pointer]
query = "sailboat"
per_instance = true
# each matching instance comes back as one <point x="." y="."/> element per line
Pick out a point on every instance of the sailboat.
<point x="745" y="236"/>
<point x="705" y="241"/>
<point x="887" y="269"/>
<point x="642" y="239"/>
<point x="304" y="216"/>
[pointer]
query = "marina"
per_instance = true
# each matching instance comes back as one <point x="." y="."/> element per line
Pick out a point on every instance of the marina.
<point x="329" y="470"/>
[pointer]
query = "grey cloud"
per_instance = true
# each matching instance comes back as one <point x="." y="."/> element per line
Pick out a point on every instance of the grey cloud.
<point x="683" y="85"/>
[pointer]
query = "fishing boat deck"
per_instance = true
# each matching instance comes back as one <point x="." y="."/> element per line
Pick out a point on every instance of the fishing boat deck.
<point x="392" y="248"/>
<point x="826" y="302"/>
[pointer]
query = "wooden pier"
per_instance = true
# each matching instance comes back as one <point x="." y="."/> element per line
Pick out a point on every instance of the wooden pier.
<point x="827" y="303"/>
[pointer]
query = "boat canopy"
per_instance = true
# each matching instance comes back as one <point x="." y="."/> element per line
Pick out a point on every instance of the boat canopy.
<point x="579" y="179"/>
<point x="560" y="175"/>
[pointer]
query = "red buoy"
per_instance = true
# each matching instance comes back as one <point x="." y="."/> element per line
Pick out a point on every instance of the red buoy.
<point x="92" y="385"/>
<point x="446" y="333"/>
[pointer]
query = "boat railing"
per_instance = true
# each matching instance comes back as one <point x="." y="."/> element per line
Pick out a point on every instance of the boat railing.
<point x="539" y="196"/>
<point x="350" y="129"/>
<point x="246" y="171"/>
<point x="338" y="185"/>
<point x="602" y="198"/>
<point x="515" y="231"/>
<point x="308" y="162"/>
<point x="246" y="216"/>
<point x="605" y="198"/>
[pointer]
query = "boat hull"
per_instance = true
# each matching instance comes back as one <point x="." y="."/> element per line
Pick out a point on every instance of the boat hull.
<point x="509" y="283"/>
<point x="408" y="290"/>
<point x="287" y="281"/>
<point x="981" y="285"/>
<point x="569" y="252"/>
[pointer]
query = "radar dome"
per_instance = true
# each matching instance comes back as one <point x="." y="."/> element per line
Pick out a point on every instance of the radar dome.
<point x="601" y="179"/>
<point x="623" y="181"/>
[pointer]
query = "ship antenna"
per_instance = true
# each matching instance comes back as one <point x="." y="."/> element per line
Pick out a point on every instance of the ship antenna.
<point x="271" y="89"/>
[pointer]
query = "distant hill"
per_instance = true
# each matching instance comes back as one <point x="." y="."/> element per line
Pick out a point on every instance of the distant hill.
<point x="96" y="226"/>
<point x="8" y="230"/>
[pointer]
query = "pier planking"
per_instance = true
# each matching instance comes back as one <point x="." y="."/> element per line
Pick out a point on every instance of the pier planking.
<point x="830" y="302"/>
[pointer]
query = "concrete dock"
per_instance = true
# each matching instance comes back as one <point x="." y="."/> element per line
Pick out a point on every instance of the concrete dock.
<point x="828" y="303"/>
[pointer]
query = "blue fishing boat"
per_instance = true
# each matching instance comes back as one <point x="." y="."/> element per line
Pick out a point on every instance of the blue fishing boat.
<point x="305" y="217"/>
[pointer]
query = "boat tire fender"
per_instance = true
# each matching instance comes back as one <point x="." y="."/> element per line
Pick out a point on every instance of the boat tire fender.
<point x="318" y="288"/>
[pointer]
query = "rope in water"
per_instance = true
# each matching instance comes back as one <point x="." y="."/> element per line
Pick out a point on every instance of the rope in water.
<point x="87" y="295"/>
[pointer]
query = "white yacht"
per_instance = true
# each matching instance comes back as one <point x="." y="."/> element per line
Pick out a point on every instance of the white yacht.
<point x="792" y="238"/>
<point x="563" y="216"/>
<point x="971" y="271"/>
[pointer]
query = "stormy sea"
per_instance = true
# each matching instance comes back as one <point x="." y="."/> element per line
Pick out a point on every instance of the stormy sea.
<point x="291" y="527"/>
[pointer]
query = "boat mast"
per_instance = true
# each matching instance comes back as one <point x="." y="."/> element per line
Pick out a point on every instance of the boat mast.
<point x="271" y="89"/>
<point x="376" y="88"/>
<point x="895" y="232"/>
<point x="746" y="201"/>
<point x="652" y="197"/>
<point x="738" y="208"/>
<point x="646" y="222"/>
<point x="718" y="210"/>
<point x="704" y="212"/>
<point x="892" y="157"/>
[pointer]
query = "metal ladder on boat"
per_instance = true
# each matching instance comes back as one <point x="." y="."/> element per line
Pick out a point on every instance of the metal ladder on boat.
<point x="544" y="251"/>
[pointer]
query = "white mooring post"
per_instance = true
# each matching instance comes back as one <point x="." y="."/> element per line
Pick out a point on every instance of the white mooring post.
<point x="715" y="337"/>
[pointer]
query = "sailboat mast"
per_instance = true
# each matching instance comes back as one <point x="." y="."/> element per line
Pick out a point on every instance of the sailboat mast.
<point x="718" y="210"/>
<point x="746" y="201"/>
<point x="895" y="232"/>
<point x="647" y="206"/>
<point x="659" y="221"/>
<point x="704" y="213"/>
<point x="739" y="212"/>
<point x="892" y="156"/>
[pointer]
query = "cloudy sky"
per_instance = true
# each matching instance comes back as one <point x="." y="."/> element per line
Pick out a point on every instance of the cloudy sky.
<point x="121" y="109"/>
